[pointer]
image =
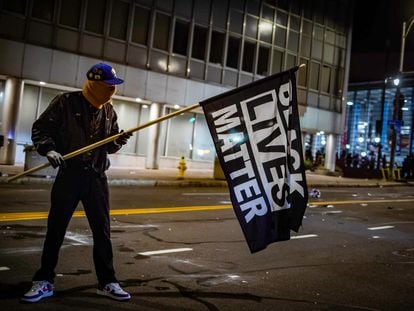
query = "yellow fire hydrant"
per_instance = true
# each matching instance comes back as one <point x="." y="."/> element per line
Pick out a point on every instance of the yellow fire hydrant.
<point x="181" y="168"/>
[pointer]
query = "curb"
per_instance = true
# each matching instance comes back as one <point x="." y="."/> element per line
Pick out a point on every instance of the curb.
<point x="201" y="183"/>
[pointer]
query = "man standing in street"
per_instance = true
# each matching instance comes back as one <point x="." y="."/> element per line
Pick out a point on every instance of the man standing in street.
<point x="72" y="121"/>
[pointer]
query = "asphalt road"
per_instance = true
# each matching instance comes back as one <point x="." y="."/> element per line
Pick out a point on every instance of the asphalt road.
<point x="183" y="249"/>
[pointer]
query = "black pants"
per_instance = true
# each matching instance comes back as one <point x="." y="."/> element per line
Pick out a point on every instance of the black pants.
<point x="70" y="187"/>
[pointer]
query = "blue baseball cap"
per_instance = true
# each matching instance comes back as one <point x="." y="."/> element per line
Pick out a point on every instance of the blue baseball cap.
<point x="103" y="72"/>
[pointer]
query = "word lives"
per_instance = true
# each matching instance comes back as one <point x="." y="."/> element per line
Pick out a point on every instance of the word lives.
<point x="256" y="145"/>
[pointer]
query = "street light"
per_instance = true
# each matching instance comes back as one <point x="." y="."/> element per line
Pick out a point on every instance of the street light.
<point x="399" y="97"/>
<point x="405" y="31"/>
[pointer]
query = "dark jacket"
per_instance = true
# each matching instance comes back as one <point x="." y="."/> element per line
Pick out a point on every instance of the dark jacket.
<point x="65" y="126"/>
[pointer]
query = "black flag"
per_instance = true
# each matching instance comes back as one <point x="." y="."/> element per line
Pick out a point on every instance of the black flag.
<point x="256" y="133"/>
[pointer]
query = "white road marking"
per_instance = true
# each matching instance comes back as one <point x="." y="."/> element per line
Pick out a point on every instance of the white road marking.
<point x="9" y="251"/>
<point x="4" y="268"/>
<point x="305" y="236"/>
<point x="135" y="226"/>
<point x="380" y="228"/>
<point x="165" y="251"/>
<point x="79" y="239"/>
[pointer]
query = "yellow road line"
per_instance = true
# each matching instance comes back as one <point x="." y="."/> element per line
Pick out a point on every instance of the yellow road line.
<point x="115" y="212"/>
<point x="4" y="217"/>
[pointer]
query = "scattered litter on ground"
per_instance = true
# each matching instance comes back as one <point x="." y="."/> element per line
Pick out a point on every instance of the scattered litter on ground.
<point x="315" y="193"/>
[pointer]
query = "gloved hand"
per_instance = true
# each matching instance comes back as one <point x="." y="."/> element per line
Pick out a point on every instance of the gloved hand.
<point x="123" y="139"/>
<point x="55" y="159"/>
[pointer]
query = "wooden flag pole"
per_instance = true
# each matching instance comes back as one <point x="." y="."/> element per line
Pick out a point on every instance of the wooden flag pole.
<point x="105" y="141"/>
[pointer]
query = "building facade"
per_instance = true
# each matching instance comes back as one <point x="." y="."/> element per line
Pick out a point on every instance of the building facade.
<point x="370" y="115"/>
<point x="172" y="53"/>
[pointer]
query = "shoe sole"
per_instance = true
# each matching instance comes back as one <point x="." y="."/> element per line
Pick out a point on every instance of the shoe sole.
<point x="31" y="300"/>
<point x="106" y="294"/>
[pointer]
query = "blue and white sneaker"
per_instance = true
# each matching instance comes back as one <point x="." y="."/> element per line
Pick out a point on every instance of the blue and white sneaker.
<point x="114" y="291"/>
<point x="39" y="290"/>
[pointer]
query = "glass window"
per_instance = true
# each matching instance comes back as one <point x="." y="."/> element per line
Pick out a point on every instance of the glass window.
<point x="119" y="19"/>
<point x="263" y="61"/>
<point x="293" y="44"/>
<point x="339" y="82"/>
<point x="2" y="85"/>
<point x="326" y="78"/>
<point x="16" y="6"/>
<point x="281" y="18"/>
<point x="220" y="13"/>
<point x="158" y="61"/>
<point x="162" y="31"/>
<point x="305" y="46"/>
<point x="165" y="5"/>
<point x="283" y="4"/>
<point x="128" y="114"/>
<point x="237" y="4"/>
<point x="217" y="46"/>
<point x="142" y="136"/>
<point x="317" y="49"/>
<point x="181" y="37"/>
<point x="177" y="65"/>
<point x="70" y="13"/>
<point x="251" y="26"/>
<point x="233" y="52"/>
<point x="341" y="41"/>
<point x="290" y="61"/>
<point x="328" y="53"/>
<point x="314" y="76"/>
<point x="199" y="42"/>
<point x="203" y="148"/>
<point x="253" y="7"/>
<point x="140" y="26"/>
<point x="202" y="11"/>
<point x="147" y="3"/>
<point x="266" y="31"/>
<point x="197" y="69"/>
<point x="318" y="32"/>
<point x="340" y="57"/>
<point x="180" y="135"/>
<point x="280" y="37"/>
<point x="43" y="9"/>
<point x="307" y="27"/>
<point x="277" y="61"/>
<point x="214" y="74"/>
<point x="268" y="13"/>
<point x="307" y="12"/>
<point x="296" y="6"/>
<point x="303" y="73"/>
<point x="46" y="97"/>
<point x="236" y="21"/>
<point x="294" y="23"/>
<point x="248" y="56"/>
<point x="330" y="37"/>
<point x="95" y="16"/>
<point x="27" y="115"/>
<point x="183" y="8"/>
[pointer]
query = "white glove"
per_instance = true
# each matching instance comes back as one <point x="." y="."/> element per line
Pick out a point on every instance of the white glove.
<point x="55" y="159"/>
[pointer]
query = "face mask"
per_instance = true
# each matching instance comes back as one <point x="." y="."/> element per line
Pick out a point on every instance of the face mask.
<point x="98" y="93"/>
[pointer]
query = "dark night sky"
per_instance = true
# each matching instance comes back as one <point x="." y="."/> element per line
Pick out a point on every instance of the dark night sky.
<point x="376" y="39"/>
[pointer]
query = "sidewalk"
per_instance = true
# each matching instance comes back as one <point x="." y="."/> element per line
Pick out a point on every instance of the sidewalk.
<point x="129" y="176"/>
